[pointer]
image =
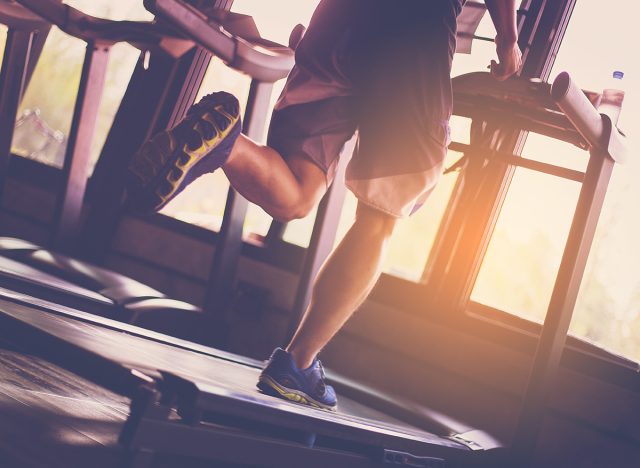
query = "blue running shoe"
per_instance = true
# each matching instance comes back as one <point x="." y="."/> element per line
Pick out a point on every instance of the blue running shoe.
<point x="281" y="378"/>
<point x="172" y="159"/>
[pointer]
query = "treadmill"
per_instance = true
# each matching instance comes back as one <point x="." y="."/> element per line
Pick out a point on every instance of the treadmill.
<point x="190" y="400"/>
<point x="51" y="275"/>
<point x="194" y="401"/>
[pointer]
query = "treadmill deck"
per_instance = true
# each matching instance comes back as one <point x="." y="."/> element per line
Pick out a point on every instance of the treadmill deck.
<point x="222" y="387"/>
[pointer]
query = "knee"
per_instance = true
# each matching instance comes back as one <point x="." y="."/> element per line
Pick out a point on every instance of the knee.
<point x="299" y="209"/>
<point x="377" y="223"/>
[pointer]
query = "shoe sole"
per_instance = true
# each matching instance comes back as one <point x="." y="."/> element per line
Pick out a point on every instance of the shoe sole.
<point x="153" y="194"/>
<point x="268" y="385"/>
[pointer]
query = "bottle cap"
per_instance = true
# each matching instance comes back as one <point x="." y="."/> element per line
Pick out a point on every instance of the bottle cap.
<point x="618" y="75"/>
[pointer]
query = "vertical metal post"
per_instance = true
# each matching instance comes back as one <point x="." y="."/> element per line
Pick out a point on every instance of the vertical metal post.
<point x="67" y="218"/>
<point x="150" y="104"/>
<point x="275" y="232"/>
<point x="323" y="237"/>
<point x="12" y="82"/>
<point x="560" y="310"/>
<point x="229" y="240"/>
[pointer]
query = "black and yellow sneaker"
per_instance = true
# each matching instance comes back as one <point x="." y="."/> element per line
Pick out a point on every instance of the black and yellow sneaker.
<point x="172" y="159"/>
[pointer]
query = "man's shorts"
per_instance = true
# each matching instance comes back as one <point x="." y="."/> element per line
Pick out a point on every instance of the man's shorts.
<point x="381" y="68"/>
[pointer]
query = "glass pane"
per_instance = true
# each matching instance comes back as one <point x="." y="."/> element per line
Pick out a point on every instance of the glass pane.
<point x="412" y="241"/>
<point x="276" y="27"/>
<point x="608" y="308"/>
<point x="556" y="152"/>
<point x="519" y="269"/>
<point x="44" y="117"/>
<point x="298" y="232"/>
<point x="110" y="9"/>
<point x="481" y="52"/>
<point x="518" y="272"/>
<point x="3" y="38"/>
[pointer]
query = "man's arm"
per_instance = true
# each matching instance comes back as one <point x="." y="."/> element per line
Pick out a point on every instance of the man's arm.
<point x="503" y="15"/>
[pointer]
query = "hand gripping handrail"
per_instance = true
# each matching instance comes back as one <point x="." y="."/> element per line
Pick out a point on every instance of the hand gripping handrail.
<point x="560" y="110"/>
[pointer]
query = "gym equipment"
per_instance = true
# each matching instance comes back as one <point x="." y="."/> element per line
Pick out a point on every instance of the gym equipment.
<point x="188" y="400"/>
<point x="196" y="396"/>
<point x="195" y="401"/>
<point x="266" y="61"/>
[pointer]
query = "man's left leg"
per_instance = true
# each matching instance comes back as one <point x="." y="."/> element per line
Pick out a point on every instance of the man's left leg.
<point x="344" y="282"/>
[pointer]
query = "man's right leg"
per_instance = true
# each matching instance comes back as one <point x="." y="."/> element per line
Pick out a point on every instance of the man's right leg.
<point x="208" y="138"/>
<point x="285" y="189"/>
<point x="344" y="282"/>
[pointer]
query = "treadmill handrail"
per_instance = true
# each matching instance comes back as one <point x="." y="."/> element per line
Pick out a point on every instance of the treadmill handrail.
<point x="562" y="110"/>
<point x="262" y="60"/>
<point x="18" y="17"/>
<point x="596" y="128"/>
<point x="91" y="28"/>
<point x="526" y="104"/>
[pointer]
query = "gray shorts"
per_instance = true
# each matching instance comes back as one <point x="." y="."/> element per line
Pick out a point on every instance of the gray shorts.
<point x="386" y="75"/>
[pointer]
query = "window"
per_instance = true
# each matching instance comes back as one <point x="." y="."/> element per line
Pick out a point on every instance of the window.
<point x="522" y="260"/>
<point x="3" y="38"/>
<point x="44" y="116"/>
<point x="519" y="269"/>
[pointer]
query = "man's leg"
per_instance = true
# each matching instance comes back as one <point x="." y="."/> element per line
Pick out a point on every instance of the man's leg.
<point x="285" y="189"/>
<point x="288" y="189"/>
<point x="345" y="281"/>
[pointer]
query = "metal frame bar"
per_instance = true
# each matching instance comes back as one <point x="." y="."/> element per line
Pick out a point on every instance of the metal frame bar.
<point x="156" y="98"/>
<point x="561" y="305"/>
<point x="220" y="286"/>
<point x="148" y="432"/>
<point x="68" y="212"/>
<point x="523" y="161"/>
<point x="13" y="79"/>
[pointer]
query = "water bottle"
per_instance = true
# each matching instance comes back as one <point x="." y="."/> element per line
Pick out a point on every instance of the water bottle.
<point x="612" y="97"/>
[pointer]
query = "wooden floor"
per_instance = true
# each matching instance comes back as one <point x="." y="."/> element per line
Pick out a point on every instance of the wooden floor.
<point x="51" y="418"/>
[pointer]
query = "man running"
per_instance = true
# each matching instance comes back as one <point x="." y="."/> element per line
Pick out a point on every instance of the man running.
<point x="381" y="68"/>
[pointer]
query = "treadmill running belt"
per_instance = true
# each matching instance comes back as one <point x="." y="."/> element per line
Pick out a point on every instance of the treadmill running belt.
<point x="224" y="387"/>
